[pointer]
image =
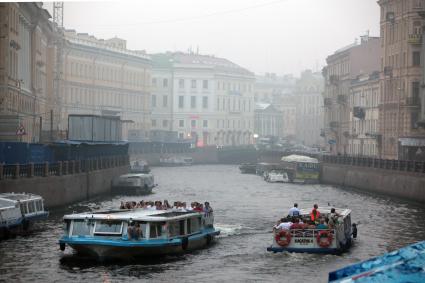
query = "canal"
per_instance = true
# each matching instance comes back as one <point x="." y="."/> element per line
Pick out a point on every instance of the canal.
<point x="245" y="208"/>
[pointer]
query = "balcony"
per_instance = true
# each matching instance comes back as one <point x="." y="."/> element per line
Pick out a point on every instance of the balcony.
<point x="412" y="102"/>
<point x="388" y="71"/>
<point x="342" y="99"/>
<point x="327" y="101"/>
<point x="415" y="39"/>
<point x="359" y="112"/>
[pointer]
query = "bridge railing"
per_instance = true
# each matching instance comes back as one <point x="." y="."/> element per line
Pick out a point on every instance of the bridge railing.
<point x="16" y="171"/>
<point x="387" y="164"/>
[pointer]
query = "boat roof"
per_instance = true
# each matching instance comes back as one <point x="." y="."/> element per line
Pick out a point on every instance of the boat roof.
<point x="404" y="265"/>
<point x="299" y="158"/>
<point x="15" y="197"/>
<point x="131" y="175"/>
<point x="137" y="214"/>
<point x="327" y="209"/>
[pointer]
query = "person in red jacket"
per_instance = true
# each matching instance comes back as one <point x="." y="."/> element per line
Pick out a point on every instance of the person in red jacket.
<point x="315" y="214"/>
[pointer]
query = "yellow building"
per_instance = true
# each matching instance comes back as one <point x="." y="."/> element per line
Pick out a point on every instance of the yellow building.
<point x="26" y="68"/>
<point x="103" y="77"/>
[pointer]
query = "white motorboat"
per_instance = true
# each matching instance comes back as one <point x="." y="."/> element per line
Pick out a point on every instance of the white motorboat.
<point x="19" y="211"/>
<point x="275" y="176"/>
<point x="133" y="183"/>
<point x="137" y="233"/>
<point x="175" y="161"/>
<point x="311" y="239"/>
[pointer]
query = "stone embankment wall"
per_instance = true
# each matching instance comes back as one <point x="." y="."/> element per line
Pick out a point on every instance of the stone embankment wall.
<point x="405" y="185"/>
<point x="66" y="189"/>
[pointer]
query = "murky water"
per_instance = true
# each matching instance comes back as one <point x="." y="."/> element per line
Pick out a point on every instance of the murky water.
<point x="245" y="208"/>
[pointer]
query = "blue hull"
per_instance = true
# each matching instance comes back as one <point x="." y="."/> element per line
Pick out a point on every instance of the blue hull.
<point x="102" y="248"/>
<point x="21" y="226"/>
<point x="305" y="250"/>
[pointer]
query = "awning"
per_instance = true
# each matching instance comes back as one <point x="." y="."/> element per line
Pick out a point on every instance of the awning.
<point x="412" y="141"/>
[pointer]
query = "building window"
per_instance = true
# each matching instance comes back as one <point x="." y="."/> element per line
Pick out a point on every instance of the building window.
<point x="181" y="136"/>
<point x="193" y="102"/>
<point x="416" y="58"/>
<point x="415" y="92"/>
<point x="193" y="84"/>
<point x="164" y="101"/>
<point x="165" y="82"/>
<point x="181" y="83"/>
<point x="181" y="123"/>
<point x="153" y="100"/>
<point x="205" y="102"/>
<point x="205" y="84"/>
<point x="193" y="123"/>
<point x="153" y="123"/>
<point x="181" y="101"/>
<point x="153" y="81"/>
<point x="164" y="123"/>
<point x="205" y="123"/>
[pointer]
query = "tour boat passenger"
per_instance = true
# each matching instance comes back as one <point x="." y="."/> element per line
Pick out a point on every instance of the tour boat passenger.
<point x="322" y="225"/>
<point x="207" y="209"/>
<point x="333" y="217"/>
<point x="166" y="205"/>
<point x="294" y="211"/>
<point x="134" y="231"/>
<point x="296" y="224"/>
<point x="315" y="214"/>
<point x="283" y="225"/>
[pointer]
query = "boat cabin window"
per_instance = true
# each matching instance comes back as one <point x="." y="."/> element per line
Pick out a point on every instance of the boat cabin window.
<point x="108" y="227"/>
<point x="156" y="229"/>
<point x="38" y="205"/>
<point x="176" y="228"/>
<point x="80" y="227"/>
<point x="24" y="208"/>
<point x="31" y="207"/>
<point x="193" y="225"/>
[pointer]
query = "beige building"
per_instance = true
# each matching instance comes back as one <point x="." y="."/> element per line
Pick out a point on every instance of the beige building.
<point x="309" y="114"/>
<point x="205" y="99"/>
<point x="401" y="32"/>
<point x="364" y="138"/>
<point x="342" y="67"/>
<point x="103" y="77"/>
<point x="267" y="120"/>
<point x="26" y="71"/>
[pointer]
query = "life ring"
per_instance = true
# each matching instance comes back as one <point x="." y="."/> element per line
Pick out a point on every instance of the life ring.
<point x="283" y="238"/>
<point x="185" y="243"/>
<point x="324" y="238"/>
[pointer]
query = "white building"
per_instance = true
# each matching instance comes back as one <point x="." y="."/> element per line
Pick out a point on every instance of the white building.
<point x="203" y="98"/>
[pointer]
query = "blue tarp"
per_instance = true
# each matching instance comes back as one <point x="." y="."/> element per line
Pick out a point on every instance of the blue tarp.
<point x="404" y="265"/>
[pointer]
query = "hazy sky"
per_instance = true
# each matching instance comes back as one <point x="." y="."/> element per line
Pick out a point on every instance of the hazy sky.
<point x="281" y="36"/>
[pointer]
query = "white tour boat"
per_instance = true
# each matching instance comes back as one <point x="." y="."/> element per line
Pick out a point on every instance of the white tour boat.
<point x="139" y="166"/>
<point x="313" y="240"/>
<point x="134" y="183"/>
<point x="275" y="176"/>
<point x="19" y="211"/>
<point x="107" y="235"/>
<point x="176" y="161"/>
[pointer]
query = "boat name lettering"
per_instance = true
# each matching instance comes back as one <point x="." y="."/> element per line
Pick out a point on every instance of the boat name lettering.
<point x="304" y="241"/>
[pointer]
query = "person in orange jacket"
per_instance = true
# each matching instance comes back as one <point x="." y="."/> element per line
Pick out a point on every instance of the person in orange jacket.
<point x="315" y="214"/>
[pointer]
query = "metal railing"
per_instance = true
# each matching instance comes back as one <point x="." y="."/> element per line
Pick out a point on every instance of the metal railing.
<point x="370" y="162"/>
<point x="16" y="171"/>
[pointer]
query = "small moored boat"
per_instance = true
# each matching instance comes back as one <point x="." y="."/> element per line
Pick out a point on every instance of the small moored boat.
<point x="312" y="240"/>
<point x="134" y="183"/>
<point x="176" y="161"/>
<point x="19" y="211"/>
<point x="105" y="235"/>
<point x="276" y="176"/>
<point x="301" y="169"/>
<point x="139" y="166"/>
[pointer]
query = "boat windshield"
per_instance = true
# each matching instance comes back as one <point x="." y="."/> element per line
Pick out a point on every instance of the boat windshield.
<point x="80" y="227"/>
<point x="108" y="227"/>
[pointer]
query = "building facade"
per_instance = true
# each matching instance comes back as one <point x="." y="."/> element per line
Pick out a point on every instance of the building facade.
<point x="206" y="99"/>
<point x="309" y="105"/>
<point x="26" y="70"/>
<point x="364" y="138"/>
<point x="267" y="121"/>
<point x="342" y="67"/>
<point x="401" y="44"/>
<point x="279" y="92"/>
<point x="103" y="77"/>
